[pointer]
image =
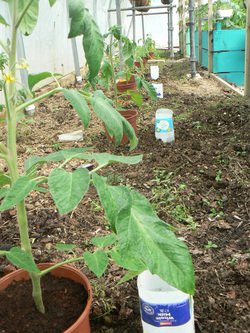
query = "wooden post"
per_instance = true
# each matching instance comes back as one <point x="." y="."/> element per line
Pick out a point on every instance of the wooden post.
<point x="180" y="26"/>
<point x="210" y="36"/>
<point x="199" y="35"/>
<point x="247" y="51"/>
<point x="184" y="28"/>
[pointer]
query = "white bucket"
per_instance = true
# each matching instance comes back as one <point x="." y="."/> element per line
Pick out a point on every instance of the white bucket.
<point x="159" y="89"/>
<point x="164" y="309"/>
<point x="154" y="72"/>
<point x="164" y="126"/>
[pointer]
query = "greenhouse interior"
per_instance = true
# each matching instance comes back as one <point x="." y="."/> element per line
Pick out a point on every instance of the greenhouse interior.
<point x="124" y="166"/>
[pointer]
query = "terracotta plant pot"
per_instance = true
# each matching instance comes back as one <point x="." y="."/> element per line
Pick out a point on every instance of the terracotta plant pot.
<point x="82" y="324"/>
<point x="137" y="64"/>
<point x="125" y="85"/>
<point x="131" y="117"/>
<point x="151" y="55"/>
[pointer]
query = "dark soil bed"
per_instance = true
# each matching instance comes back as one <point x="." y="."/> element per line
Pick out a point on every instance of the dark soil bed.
<point x="200" y="184"/>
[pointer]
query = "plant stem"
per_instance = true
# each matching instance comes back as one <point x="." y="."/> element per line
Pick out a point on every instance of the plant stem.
<point x="37" y="292"/>
<point x="68" y="261"/>
<point x="12" y="155"/>
<point x="37" y="99"/>
<point x="113" y="68"/>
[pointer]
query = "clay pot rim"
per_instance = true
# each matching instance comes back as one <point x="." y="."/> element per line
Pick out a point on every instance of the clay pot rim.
<point x="75" y="271"/>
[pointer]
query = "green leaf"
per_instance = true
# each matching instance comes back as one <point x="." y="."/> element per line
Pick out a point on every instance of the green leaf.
<point x="104" y="241"/>
<point x="113" y="198"/>
<point x="144" y="236"/>
<point x="68" y="188"/>
<point x="22" y="259"/>
<point x="29" y="20"/>
<point x="128" y="276"/>
<point x="3" y="21"/>
<point x="149" y="89"/>
<point x="110" y="117"/>
<point x="17" y="192"/>
<point x="136" y="97"/>
<point x="82" y="23"/>
<point x="66" y="154"/>
<point x="130" y="133"/>
<point x="65" y="247"/>
<point x="4" y="180"/>
<point x="97" y="261"/>
<point x="33" y="79"/>
<point x="80" y="105"/>
<point x="3" y="192"/>
<point x="52" y="2"/>
<point x="106" y="74"/>
<point x="127" y="262"/>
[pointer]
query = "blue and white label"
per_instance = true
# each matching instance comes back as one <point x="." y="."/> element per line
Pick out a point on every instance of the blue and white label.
<point x="160" y="315"/>
<point x="164" y="125"/>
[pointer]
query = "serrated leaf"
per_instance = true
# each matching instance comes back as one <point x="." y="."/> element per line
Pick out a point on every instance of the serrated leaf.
<point x="113" y="198"/>
<point x="80" y="105"/>
<point x="103" y="241"/>
<point x="144" y="236"/>
<point x="22" y="259"/>
<point x="3" y="21"/>
<point x="33" y="79"/>
<point x="110" y="117"/>
<point x="127" y="262"/>
<point x="65" y="247"/>
<point x="17" y="192"/>
<point x="29" y="20"/>
<point x="82" y="23"/>
<point x="97" y="262"/>
<point x="68" y="188"/>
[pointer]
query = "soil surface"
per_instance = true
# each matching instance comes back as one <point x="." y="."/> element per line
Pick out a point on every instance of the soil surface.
<point x="64" y="301"/>
<point x="200" y="185"/>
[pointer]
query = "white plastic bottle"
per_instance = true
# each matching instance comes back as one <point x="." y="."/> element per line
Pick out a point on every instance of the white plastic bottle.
<point x="154" y="72"/>
<point x="164" y="309"/>
<point x="164" y="126"/>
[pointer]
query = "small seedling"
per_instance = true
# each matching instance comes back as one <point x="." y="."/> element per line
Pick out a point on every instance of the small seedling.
<point x="210" y="245"/>
<point x="218" y="176"/>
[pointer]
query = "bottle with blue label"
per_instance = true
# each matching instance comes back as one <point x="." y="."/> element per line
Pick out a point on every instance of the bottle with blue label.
<point x="164" y="126"/>
<point x="164" y="309"/>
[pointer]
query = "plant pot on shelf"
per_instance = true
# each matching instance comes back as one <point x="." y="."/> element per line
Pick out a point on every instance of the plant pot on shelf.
<point x="68" y="272"/>
<point x="125" y="85"/>
<point x="166" y="2"/>
<point x="131" y="117"/>
<point x="141" y="3"/>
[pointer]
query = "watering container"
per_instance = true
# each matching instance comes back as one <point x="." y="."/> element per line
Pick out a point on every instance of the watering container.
<point x="164" y="127"/>
<point x="164" y="309"/>
<point x="154" y="72"/>
<point x="159" y="89"/>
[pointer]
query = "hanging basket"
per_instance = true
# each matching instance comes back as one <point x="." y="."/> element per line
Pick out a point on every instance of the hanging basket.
<point x="139" y="3"/>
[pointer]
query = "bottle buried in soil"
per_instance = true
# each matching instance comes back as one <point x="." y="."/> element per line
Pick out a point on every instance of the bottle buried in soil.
<point x="164" y="127"/>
